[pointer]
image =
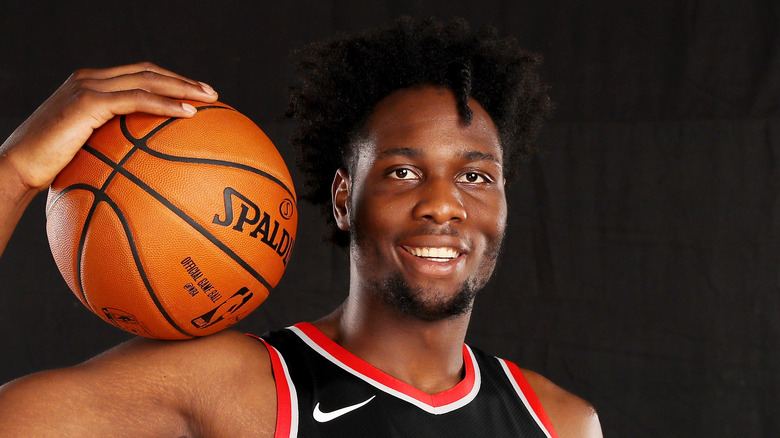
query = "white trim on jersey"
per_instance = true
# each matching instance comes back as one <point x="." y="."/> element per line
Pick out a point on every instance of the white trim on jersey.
<point x="436" y="410"/>
<point x="294" y="411"/>
<point x="522" y="397"/>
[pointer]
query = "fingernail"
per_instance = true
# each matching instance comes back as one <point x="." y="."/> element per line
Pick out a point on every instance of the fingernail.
<point x="207" y="88"/>
<point x="189" y="108"/>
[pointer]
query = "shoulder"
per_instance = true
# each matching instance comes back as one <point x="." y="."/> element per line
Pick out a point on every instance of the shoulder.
<point x="159" y="387"/>
<point x="228" y="354"/>
<point x="220" y="342"/>
<point x="570" y="415"/>
<point x="233" y="370"/>
<point x="227" y="368"/>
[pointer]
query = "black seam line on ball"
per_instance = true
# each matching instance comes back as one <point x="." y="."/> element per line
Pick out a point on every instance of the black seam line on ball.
<point x="136" y="142"/>
<point x="101" y="196"/>
<point x="142" y="144"/>
<point x="198" y="227"/>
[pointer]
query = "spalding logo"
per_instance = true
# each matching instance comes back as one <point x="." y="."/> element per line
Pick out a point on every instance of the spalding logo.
<point x="268" y="228"/>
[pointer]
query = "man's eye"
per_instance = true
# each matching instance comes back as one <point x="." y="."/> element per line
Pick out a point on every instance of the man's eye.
<point x="402" y="174"/>
<point x="472" y="177"/>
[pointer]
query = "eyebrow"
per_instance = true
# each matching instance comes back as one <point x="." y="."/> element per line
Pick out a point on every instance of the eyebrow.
<point x="417" y="153"/>
<point x="480" y="156"/>
<point x="402" y="152"/>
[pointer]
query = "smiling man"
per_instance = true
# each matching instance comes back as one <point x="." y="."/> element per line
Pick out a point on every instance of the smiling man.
<point x="407" y="137"/>
<point x="425" y="204"/>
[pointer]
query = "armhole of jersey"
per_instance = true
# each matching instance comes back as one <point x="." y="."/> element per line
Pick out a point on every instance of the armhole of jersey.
<point x="527" y="394"/>
<point x="286" y="397"/>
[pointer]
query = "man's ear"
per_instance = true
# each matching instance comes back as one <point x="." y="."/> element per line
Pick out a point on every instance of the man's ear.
<point x="339" y="195"/>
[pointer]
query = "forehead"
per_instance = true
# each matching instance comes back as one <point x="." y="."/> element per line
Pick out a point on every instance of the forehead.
<point x="427" y="120"/>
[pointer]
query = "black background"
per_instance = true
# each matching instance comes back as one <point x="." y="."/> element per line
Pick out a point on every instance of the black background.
<point x="641" y="269"/>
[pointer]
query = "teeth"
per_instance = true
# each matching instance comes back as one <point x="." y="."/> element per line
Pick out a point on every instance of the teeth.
<point x="434" y="253"/>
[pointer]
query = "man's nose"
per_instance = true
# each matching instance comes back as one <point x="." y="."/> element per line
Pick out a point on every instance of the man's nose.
<point x="440" y="201"/>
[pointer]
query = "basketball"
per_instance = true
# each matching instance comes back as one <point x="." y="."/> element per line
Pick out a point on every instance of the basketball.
<point x="173" y="228"/>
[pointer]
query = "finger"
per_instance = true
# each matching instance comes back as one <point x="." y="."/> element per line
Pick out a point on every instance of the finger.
<point x="106" y="105"/>
<point x="105" y="73"/>
<point x="144" y="68"/>
<point x="153" y="82"/>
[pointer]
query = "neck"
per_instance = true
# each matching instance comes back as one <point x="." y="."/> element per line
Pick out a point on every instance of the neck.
<point x="425" y="354"/>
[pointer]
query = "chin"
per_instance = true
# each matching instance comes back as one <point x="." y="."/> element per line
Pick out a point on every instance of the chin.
<point x="425" y="304"/>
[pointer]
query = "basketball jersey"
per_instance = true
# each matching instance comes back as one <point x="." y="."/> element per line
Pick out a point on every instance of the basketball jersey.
<point x="323" y="390"/>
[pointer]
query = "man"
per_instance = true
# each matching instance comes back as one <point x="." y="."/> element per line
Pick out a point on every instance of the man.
<point x="407" y="135"/>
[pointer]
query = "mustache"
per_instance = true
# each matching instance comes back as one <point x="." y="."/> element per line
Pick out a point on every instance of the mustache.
<point x="429" y="229"/>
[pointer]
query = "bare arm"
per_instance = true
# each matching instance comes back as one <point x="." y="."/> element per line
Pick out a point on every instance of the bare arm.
<point x="46" y="142"/>
<point x="220" y="385"/>
<point x="216" y="386"/>
<point x="571" y="416"/>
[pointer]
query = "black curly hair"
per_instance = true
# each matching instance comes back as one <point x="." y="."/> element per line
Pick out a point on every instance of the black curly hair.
<point x="342" y="79"/>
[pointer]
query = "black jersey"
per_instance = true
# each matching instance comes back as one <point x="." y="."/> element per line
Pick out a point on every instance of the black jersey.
<point x="323" y="390"/>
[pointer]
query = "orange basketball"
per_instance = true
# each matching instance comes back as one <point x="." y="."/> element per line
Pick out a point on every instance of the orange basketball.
<point x="173" y="228"/>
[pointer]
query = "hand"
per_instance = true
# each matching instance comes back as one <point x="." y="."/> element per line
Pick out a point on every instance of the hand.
<point x="46" y="142"/>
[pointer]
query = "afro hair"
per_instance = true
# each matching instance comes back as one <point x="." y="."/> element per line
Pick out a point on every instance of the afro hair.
<point x="342" y="79"/>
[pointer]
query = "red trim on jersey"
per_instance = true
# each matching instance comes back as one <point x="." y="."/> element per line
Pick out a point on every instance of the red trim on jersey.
<point x="457" y="392"/>
<point x="283" y="399"/>
<point x="530" y="395"/>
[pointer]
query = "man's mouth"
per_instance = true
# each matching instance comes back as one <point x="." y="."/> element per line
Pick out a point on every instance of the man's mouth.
<point x="434" y="254"/>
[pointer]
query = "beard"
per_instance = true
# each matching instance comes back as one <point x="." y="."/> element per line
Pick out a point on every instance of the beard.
<point x="419" y="304"/>
<point x="410" y="301"/>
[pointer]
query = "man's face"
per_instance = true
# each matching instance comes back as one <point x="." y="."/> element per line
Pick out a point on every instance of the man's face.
<point x="426" y="206"/>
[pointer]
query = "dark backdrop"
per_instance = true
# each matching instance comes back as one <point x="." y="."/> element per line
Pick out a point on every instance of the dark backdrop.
<point x="641" y="270"/>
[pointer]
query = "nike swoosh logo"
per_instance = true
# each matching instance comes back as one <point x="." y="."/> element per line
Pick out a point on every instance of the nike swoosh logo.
<point x="323" y="417"/>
